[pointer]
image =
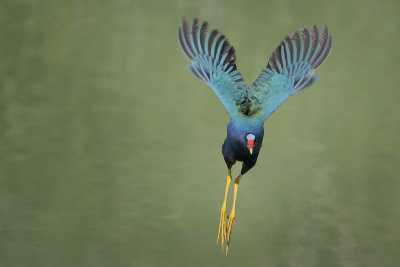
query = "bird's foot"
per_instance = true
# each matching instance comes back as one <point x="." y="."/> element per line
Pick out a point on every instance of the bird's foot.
<point x="222" y="226"/>
<point x="229" y="229"/>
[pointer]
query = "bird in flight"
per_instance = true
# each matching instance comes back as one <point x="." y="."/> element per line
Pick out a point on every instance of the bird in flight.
<point x="290" y="69"/>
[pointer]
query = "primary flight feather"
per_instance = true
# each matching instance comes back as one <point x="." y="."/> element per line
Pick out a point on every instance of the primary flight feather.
<point x="290" y="69"/>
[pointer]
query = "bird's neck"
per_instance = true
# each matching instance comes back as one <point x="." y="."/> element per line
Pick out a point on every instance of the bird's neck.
<point x="246" y="125"/>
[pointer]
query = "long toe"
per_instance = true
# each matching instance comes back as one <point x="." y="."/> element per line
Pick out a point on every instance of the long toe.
<point x="222" y="226"/>
<point x="229" y="229"/>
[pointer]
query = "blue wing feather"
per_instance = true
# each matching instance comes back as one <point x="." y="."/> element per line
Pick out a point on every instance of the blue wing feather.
<point x="290" y="69"/>
<point x="213" y="62"/>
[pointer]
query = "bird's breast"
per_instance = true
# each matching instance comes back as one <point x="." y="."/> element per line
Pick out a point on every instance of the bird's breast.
<point x="238" y="151"/>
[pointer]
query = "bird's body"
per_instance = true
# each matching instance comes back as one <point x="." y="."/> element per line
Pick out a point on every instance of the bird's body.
<point x="233" y="148"/>
<point x="290" y="69"/>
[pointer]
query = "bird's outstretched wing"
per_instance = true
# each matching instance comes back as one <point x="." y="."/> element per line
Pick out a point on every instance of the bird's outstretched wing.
<point x="290" y="69"/>
<point x="213" y="62"/>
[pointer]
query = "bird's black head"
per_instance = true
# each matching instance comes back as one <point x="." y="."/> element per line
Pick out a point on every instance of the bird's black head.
<point x="245" y="136"/>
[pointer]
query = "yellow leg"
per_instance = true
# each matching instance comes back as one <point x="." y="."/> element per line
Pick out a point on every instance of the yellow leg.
<point x="232" y="214"/>
<point x="222" y="220"/>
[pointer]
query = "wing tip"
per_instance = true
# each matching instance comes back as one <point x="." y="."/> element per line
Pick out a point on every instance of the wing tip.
<point x="315" y="47"/>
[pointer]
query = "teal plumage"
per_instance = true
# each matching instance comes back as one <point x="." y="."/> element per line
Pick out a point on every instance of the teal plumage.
<point x="213" y="62"/>
<point x="290" y="69"/>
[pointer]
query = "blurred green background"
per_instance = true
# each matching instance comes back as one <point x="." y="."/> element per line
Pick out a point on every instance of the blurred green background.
<point x="111" y="150"/>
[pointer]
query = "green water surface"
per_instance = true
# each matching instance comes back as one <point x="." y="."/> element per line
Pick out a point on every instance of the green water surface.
<point x="110" y="151"/>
